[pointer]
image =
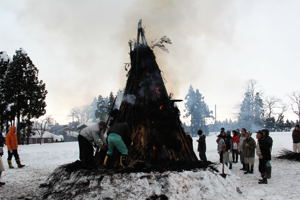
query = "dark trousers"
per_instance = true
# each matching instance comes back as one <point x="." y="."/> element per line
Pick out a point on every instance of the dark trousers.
<point x="12" y="153"/>
<point x="262" y="168"/>
<point x="221" y="157"/>
<point x="86" y="152"/>
<point x="235" y="155"/>
<point x="202" y="155"/>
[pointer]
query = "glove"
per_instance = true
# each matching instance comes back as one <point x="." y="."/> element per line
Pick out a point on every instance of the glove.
<point x="10" y="151"/>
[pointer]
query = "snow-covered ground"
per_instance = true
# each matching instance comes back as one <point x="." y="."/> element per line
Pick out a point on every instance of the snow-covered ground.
<point x="41" y="160"/>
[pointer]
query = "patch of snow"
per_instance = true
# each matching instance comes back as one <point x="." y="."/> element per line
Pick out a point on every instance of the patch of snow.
<point x="41" y="161"/>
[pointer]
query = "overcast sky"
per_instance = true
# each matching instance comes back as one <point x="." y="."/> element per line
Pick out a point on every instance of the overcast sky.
<point x="80" y="47"/>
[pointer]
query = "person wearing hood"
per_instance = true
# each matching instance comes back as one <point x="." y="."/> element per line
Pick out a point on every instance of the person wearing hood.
<point x="11" y="140"/>
<point x="88" y="137"/>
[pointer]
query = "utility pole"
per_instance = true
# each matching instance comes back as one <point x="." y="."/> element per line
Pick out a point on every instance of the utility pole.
<point x="215" y="113"/>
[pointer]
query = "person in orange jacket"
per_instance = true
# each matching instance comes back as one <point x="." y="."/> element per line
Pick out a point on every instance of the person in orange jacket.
<point x="12" y="147"/>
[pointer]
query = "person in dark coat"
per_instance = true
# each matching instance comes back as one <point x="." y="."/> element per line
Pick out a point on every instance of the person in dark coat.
<point x="263" y="151"/>
<point x="1" y="154"/>
<point x="202" y="146"/>
<point x="296" y="139"/>
<point x="270" y="142"/>
<point x="229" y="148"/>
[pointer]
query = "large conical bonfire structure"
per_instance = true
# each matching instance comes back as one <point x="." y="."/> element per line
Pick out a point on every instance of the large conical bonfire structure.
<point x="156" y="131"/>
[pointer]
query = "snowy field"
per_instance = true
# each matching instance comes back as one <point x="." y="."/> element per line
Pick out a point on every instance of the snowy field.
<point x="41" y="160"/>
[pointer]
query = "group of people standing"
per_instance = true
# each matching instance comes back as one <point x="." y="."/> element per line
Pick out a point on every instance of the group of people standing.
<point x="11" y="141"/>
<point x="242" y="145"/>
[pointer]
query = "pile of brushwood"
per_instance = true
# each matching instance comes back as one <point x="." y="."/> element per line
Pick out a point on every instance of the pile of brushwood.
<point x="70" y="181"/>
<point x="289" y="155"/>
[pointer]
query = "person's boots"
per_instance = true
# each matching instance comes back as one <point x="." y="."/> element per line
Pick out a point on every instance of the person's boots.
<point x="106" y="162"/>
<point x="263" y="181"/>
<point x="247" y="170"/>
<point x="10" y="164"/>
<point x="1" y="183"/>
<point x="251" y="169"/>
<point x="230" y="165"/>
<point x="124" y="161"/>
<point x="244" y="167"/>
<point x="19" y="164"/>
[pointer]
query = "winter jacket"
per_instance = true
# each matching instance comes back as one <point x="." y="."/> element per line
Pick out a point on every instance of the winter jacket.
<point x="2" y="140"/>
<point x="94" y="135"/>
<point x="296" y="136"/>
<point x="202" y="143"/>
<point x="221" y="145"/>
<point x="249" y="145"/>
<point x="236" y="140"/>
<point x="264" y="149"/>
<point x="242" y="138"/>
<point x="11" y="139"/>
<point x="228" y="143"/>
<point x="121" y="129"/>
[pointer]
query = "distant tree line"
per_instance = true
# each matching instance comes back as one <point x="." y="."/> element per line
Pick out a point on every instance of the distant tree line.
<point x="98" y="110"/>
<point x="255" y="112"/>
<point x="22" y="94"/>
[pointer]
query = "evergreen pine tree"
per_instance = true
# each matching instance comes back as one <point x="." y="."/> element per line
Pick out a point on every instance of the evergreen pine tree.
<point x="4" y="62"/>
<point x="23" y="91"/>
<point x="251" y="109"/>
<point x="197" y="109"/>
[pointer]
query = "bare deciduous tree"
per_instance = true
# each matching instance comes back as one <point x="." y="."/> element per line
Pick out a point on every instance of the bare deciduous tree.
<point x="270" y="104"/>
<point x="295" y="103"/>
<point x="41" y="125"/>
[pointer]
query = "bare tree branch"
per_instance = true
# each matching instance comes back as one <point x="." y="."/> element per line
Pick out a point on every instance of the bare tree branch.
<point x="295" y="103"/>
